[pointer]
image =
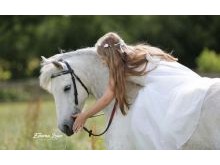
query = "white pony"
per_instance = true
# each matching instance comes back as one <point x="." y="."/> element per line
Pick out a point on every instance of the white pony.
<point x="94" y="75"/>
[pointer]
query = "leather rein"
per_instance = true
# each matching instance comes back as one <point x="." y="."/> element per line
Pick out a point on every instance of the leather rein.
<point x="74" y="77"/>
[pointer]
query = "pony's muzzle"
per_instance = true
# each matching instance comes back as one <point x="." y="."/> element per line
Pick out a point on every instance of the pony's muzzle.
<point x="67" y="127"/>
<point x="68" y="130"/>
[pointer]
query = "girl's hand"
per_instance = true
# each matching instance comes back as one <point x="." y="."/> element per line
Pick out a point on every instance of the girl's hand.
<point x="79" y="122"/>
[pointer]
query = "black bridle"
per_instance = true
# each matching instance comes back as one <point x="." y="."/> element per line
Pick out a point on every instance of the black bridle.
<point x="74" y="77"/>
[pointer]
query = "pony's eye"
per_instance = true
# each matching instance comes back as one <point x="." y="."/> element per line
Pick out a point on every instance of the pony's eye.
<point x="67" y="88"/>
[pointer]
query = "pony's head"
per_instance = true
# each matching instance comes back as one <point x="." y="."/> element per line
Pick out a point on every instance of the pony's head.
<point x="57" y="80"/>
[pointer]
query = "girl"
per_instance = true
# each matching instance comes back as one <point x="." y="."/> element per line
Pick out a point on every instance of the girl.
<point x="123" y="61"/>
<point x="170" y="91"/>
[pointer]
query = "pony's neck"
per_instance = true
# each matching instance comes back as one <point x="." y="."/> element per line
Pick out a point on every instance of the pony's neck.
<point x="97" y="76"/>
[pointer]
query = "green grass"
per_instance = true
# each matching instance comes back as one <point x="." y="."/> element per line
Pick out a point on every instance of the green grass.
<point x="21" y="121"/>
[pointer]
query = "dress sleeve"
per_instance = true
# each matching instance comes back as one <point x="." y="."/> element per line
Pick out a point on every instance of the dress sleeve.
<point x="153" y="62"/>
<point x="139" y="80"/>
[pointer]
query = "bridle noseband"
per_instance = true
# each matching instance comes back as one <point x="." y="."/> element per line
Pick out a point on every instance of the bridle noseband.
<point x="74" y="77"/>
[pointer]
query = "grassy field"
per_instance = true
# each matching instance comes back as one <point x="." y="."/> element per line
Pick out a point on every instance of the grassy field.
<point x="32" y="125"/>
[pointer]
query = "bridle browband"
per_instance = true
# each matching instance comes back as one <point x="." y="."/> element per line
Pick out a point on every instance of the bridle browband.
<point x="74" y="77"/>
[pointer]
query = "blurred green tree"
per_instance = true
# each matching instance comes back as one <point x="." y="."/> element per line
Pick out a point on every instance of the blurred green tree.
<point x="23" y="39"/>
<point x="208" y="61"/>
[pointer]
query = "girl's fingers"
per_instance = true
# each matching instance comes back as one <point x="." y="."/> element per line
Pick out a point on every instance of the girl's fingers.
<point x="75" y="125"/>
<point x="77" y="128"/>
<point x="78" y="124"/>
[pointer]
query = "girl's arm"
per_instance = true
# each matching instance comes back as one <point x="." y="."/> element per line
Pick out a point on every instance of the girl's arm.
<point x="101" y="103"/>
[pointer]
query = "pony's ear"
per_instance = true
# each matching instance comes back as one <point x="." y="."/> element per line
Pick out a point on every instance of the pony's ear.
<point x="58" y="64"/>
<point x="44" y="61"/>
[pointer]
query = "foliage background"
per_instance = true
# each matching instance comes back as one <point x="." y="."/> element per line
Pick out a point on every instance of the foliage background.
<point x="23" y="39"/>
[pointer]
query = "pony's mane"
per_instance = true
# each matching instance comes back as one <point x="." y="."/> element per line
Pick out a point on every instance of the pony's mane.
<point x="47" y="69"/>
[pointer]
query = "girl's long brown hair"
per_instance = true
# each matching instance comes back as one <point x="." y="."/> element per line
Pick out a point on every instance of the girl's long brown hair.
<point x="125" y="60"/>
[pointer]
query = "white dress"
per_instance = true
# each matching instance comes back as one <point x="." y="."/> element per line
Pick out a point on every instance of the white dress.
<point x="167" y="109"/>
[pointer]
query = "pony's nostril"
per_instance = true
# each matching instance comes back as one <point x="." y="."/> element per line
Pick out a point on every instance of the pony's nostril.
<point x="67" y="130"/>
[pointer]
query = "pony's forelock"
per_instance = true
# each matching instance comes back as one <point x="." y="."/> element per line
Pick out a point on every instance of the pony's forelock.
<point x="45" y="77"/>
